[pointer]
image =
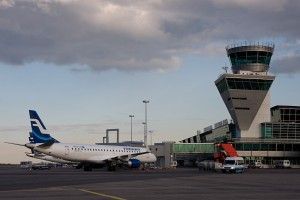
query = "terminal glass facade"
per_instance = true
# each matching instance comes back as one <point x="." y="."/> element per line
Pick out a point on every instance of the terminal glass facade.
<point x="249" y="57"/>
<point x="266" y="146"/>
<point x="280" y="130"/>
<point x="288" y="114"/>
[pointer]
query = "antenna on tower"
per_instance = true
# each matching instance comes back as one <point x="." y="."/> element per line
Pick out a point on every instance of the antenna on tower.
<point x="225" y="68"/>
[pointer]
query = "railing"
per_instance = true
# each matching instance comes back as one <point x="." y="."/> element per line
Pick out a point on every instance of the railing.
<point x="267" y="140"/>
<point x="247" y="43"/>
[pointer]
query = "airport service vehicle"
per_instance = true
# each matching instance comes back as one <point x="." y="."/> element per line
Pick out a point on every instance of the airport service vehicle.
<point x="223" y="151"/>
<point x="25" y="164"/>
<point x="87" y="155"/>
<point x="40" y="166"/>
<point x="282" y="164"/>
<point x="233" y="165"/>
<point x="258" y="164"/>
<point x="209" y="165"/>
<point x="255" y="164"/>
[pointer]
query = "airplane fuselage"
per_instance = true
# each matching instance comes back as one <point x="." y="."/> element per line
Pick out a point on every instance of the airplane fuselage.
<point x="97" y="154"/>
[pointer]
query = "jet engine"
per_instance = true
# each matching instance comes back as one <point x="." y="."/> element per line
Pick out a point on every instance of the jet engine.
<point x="134" y="163"/>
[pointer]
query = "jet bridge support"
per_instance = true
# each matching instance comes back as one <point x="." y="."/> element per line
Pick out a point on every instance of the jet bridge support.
<point x="104" y="140"/>
<point x="107" y="134"/>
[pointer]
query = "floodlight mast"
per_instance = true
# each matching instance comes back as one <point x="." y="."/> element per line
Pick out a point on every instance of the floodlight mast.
<point x="146" y="123"/>
<point x="131" y="116"/>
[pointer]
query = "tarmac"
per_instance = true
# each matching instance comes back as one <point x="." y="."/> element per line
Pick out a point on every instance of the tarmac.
<point x="181" y="183"/>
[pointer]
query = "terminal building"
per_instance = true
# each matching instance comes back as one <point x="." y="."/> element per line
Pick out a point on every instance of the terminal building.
<point x="256" y="130"/>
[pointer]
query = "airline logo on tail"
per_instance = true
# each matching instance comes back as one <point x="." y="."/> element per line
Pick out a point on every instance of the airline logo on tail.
<point x="37" y="134"/>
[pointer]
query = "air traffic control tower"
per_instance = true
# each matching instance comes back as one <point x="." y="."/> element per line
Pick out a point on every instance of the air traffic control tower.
<point x="245" y="91"/>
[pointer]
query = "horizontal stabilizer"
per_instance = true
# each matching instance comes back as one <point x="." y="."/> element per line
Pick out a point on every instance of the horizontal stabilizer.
<point x="23" y="145"/>
<point x="136" y="154"/>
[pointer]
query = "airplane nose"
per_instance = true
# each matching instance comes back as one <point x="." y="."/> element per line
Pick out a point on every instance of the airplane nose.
<point x="153" y="157"/>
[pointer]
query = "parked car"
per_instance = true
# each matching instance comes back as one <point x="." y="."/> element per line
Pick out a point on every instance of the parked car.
<point x="255" y="164"/>
<point x="25" y="164"/>
<point x="282" y="164"/>
<point x="40" y="166"/>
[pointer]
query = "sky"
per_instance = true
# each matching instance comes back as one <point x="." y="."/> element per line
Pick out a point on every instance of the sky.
<point x="85" y="66"/>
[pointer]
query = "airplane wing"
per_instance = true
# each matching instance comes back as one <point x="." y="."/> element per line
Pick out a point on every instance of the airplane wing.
<point x="136" y="154"/>
<point x="101" y="159"/>
<point x="124" y="157"/>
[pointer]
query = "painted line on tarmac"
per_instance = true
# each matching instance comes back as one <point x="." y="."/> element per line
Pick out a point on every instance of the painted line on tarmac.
<point x="101" y="194"/>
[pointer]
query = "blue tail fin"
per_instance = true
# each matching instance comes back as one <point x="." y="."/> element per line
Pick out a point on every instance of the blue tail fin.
<point x="37" y="129"/>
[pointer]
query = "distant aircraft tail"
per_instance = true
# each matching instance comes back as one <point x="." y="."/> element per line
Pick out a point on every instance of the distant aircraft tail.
<point x="37" y="134"/>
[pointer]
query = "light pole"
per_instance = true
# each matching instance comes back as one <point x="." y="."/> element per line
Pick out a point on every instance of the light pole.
<point x="151" y="136"/>
<point x="131" y="116"/>
<point x="146" y="123"/>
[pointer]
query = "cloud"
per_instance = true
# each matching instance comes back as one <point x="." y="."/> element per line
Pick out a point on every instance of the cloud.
<point x="136" y="35"/>
<point x="18" y="128"/>
<point x="288" y="65"/>
<point x="275" y="5"/>
<point x="6" y="4"/>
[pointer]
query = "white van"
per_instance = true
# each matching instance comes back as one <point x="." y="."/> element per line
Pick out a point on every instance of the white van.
<point x="233" y="165"/>
<point x="282" y="164"/>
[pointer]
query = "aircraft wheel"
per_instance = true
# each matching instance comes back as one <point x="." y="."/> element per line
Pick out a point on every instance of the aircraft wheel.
<point x="87" y="168"/>
<point x="111" y="166"/>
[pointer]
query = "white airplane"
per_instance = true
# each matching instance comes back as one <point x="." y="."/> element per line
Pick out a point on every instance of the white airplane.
<point x="87" y="155"/>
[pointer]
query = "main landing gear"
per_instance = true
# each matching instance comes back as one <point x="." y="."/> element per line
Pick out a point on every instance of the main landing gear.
<point x="111" y="166"/>
<point x="87" y="168"/>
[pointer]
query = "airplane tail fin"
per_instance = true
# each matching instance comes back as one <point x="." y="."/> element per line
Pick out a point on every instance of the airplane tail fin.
<point x="37" y="134"/>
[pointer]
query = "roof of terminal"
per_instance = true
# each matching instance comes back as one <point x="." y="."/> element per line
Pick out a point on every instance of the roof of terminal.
<point x="284" y="107"/>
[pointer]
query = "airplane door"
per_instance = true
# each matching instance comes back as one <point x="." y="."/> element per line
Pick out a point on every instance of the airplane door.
<point x="67" y="150"/>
